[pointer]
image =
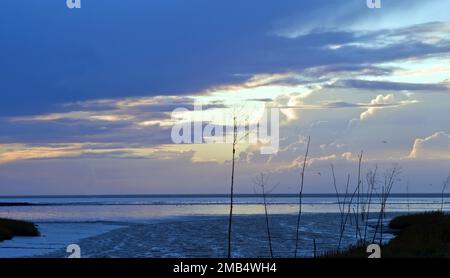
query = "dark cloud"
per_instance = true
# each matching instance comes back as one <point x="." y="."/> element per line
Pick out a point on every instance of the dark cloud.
<point x="76" y="131"/>
<point x="386" y="85"/>
<point x="341" y="104"/>
<point x="260" y="99"/>
<point x="111" y="49"/>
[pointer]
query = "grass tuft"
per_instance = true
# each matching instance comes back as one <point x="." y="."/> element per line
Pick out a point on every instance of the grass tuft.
<point x="421" y="235"/>
<point x="10" y="228"/>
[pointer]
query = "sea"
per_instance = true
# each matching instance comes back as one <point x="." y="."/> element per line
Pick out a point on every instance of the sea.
<point x="183" y="226"/>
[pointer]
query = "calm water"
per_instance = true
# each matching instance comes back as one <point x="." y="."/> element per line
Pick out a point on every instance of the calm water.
<point x="153" y="207"/>
<point x="167" y="226"/>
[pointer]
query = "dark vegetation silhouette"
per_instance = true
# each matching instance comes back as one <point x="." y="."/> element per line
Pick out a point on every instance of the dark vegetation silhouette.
<point x="10" y="228"/>
<point x="444" y="187"/>
<point x="261" y="182"/>
<point x="359" y="206"/>
<point x="300" y="197"/>
<point x="233" y="161"/>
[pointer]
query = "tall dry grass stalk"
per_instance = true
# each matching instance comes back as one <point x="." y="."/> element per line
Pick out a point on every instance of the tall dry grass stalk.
<point x="341" y="209"/>
<point x="407" y="194"/>
<point x="315" y="248"/>
<point x="230" y="218"/>
<point x="261" y="181"/>
<point x="300" y="196"/>
<point x="358" y="187"/>
<point x="390" y="178"/>
<point x="347" y="210"/>
<point x="347" y="215"/>
<point x="371" y="178"/>
<point x="444" y="186"/>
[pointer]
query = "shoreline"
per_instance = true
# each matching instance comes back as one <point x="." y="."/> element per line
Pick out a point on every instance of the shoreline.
<point x="54" y="236"/>
<point x="178" y="237"/>
<point x="9" y="228"/>
<point x="15" y="204"/>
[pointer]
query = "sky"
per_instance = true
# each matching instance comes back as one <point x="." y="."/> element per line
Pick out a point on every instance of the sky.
<point x="87" y="95"/>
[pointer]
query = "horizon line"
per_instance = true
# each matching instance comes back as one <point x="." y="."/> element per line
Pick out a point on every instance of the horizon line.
<point x="168" y="195"/>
